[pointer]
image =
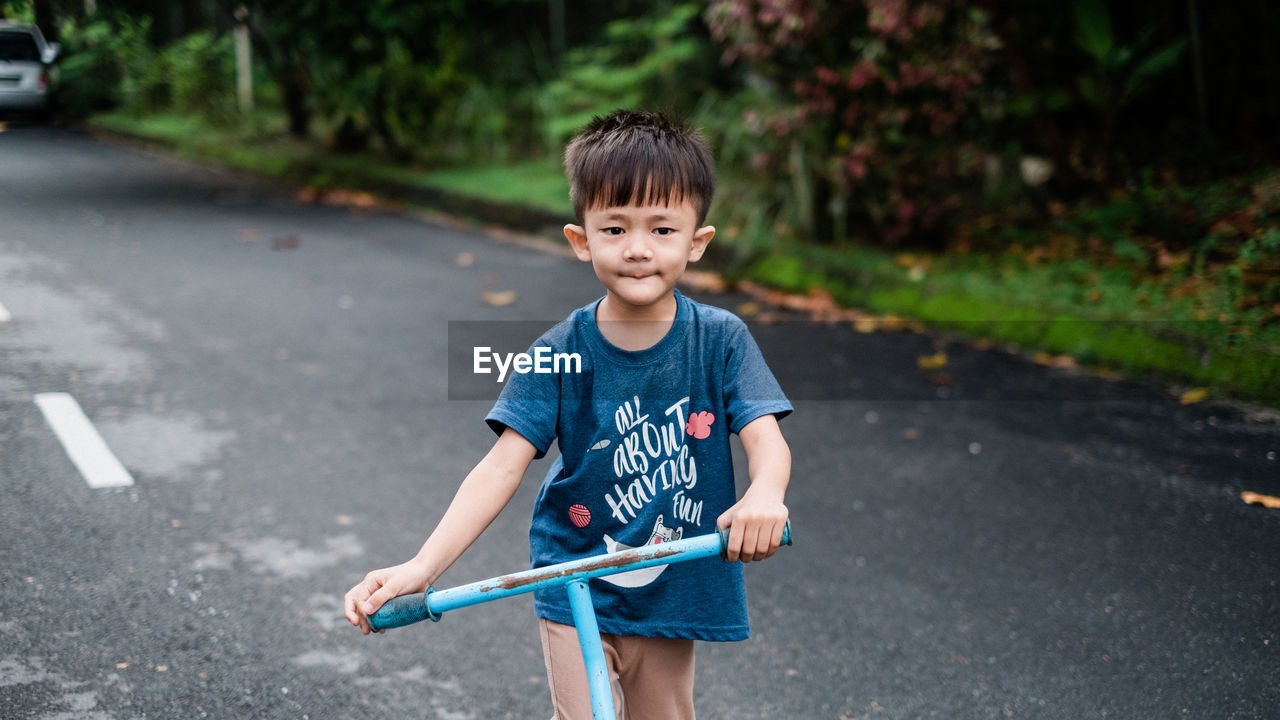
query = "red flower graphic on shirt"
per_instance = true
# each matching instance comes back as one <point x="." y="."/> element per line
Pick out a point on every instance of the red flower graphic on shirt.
<point x="699" y="425"/>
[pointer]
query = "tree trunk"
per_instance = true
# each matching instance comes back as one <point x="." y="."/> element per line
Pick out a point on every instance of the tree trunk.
<point x="44" y="19"/>
<point x="295" y="86"/>
<point x="378" y="118"/>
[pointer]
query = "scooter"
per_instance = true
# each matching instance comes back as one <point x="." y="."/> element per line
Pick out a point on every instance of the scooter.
<point x="572" y="575"/>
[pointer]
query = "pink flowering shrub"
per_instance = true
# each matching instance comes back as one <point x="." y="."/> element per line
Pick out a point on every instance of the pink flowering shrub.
<point x="862" y="116"/>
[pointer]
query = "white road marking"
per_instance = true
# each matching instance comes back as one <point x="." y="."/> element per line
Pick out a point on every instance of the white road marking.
<point x="86" y="448"/>
<point x="4" y="314"/>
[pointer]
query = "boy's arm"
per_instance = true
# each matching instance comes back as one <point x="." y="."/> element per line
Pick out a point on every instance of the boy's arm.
<point x="485" y="491"/>
<point x="756" y="521"/>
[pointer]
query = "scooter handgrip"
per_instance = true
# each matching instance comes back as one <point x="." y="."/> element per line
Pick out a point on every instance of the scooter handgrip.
<point x="724" y="538"/>
<point x="403" y="610"/>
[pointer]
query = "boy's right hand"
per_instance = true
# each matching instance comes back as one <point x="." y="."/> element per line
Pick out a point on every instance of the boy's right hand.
<point x="380" y="586"/>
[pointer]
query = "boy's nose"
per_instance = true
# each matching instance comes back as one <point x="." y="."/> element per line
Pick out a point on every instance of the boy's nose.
<point x="637" y="250"/>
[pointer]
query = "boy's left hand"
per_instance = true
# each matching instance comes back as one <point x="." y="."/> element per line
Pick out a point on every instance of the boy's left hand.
<point x="755" y="527"/>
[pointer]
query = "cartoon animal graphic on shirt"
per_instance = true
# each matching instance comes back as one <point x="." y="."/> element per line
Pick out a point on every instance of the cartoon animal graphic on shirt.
<point x="639" y="578"/>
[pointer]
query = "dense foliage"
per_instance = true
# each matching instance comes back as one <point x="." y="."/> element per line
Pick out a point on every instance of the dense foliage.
<point x="871" y="107"/>
<point x="943" y="123"/>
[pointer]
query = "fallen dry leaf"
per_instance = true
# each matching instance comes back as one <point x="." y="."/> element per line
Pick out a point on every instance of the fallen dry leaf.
<point x="288" y="242"/>
<point x="465" y="259"/>
<point x="936" y="361"/>
<point x="749" y="309"/>
<point x="1196" y="395"/>
<point x="887" y="323"/>
<point x="250" y="236"/>
<point x="817" y="303"/>
<point x="501" y="298"/>
<point x="1054" y="361"/>
<point x="1107" y="374"/>
<point x="700" y="280"/>
<point x="350" y="198"/>
<point x="337" y="197"/>
<point x="820" y="302"/>
<point x="1253" y="498"/>
<point x="892" y="323"/>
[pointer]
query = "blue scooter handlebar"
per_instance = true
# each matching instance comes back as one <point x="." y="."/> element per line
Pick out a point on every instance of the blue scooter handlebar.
<point x="409" y="609"/>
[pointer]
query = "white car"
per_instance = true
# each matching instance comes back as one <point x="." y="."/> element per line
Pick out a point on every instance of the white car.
<point x="26" y="63"/>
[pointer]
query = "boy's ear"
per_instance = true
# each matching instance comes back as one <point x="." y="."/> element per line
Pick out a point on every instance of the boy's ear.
<point x="577" y="237"/>
<point x="701" y="237"/>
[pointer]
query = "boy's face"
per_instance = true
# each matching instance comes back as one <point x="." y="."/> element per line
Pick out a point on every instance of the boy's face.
<point x="639" y="251"/>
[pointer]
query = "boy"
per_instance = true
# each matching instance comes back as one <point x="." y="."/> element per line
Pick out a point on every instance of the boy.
<point x="643" y="431"/>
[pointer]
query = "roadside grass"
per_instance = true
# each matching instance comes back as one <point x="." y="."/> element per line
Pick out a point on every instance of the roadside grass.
<point x="1107" y="317"/>
<point x="259" y="145"/>
<point x="1186" y="327"/>
<point x="262" y="145"/>
<point x="540" y="183"/>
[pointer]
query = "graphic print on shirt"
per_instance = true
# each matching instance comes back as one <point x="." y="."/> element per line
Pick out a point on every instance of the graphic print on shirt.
<point x="653" y="464"/>
<point x="579" y="515"/>
<point x="639" y="578"/>
<point x="699" y="425"/>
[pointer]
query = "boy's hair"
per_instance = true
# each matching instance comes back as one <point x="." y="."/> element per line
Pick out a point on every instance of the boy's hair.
<point x="632" y="157"/>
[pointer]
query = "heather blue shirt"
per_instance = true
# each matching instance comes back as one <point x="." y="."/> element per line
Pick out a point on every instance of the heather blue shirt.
<point x="644" y="458"/>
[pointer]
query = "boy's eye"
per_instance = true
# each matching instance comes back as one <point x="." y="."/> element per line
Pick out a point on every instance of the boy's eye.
<point x="663" y="231"/>
<point x="612" y="231"/>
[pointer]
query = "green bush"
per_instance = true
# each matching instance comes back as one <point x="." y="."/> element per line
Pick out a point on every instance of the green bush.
<point x="861" y="115"/>
<point x="198" y="72"/>
<point x="108" y="63"/>
<point x="17" y="11"/>
<point x="417" y="99"/>
<point x="654" y="61"/>
<point x="104" y="63"/>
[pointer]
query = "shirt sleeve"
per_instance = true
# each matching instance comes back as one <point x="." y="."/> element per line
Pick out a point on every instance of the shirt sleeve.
<point x="750" y="389"/>
<point x="529" y="404"/>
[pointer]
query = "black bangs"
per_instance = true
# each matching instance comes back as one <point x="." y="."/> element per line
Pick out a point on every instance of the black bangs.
<point x="637" y="158"/>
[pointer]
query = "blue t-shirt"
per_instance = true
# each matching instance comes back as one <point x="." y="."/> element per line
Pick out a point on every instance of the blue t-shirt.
<point x="644" y="458"/>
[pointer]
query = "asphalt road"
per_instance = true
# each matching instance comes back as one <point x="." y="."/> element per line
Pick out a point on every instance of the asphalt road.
<point x="1018" y="541"/>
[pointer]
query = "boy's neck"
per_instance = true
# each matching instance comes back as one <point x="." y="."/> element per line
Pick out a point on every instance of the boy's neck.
<point x="632" y="327"/>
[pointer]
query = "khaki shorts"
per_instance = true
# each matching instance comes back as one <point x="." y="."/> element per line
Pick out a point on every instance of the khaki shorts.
<point x="652" y="678"/>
